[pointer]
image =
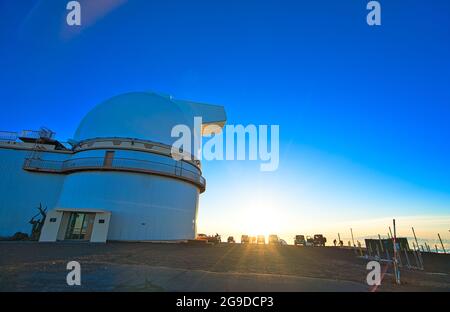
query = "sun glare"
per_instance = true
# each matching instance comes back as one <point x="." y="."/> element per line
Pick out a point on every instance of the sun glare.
<point x="261" y="217"/>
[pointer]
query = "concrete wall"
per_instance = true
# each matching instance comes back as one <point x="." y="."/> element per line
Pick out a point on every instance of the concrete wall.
<point x="143" y="207"/>
<point x="100" y="229"/>
<point x="22" y="191"/>
<point x="51" y="226"/>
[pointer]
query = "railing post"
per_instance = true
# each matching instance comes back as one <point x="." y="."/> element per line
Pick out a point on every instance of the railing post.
<point x="443" y="248"/>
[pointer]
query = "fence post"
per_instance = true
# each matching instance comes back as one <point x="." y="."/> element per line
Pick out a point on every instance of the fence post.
<point x="381" y="244"/>
<point x="396" y="269"/>
<point x="415" y="256"/>
<point x="443" y="248"/>
<point x="415" y="238"/>
<point x="353" y="240"/>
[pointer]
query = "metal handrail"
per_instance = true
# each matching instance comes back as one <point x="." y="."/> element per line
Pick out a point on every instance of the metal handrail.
<point x="175" y="169"/>
<point x="37" y="134"/>
<point x="8" y="136"/>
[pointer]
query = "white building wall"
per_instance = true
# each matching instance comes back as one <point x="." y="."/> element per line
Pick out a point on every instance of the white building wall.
<point x="21" y="191"/>
<point x="100" y="229"/>
<point x="142" y="206"/>
<point x="51" y="226"/>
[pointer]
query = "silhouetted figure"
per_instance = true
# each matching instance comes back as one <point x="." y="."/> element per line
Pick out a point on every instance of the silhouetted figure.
<point x="334" y="242"/>
<point x="38" y="223"/>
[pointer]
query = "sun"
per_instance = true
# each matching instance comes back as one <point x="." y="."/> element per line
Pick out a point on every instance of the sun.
<point x="261" y="220"/>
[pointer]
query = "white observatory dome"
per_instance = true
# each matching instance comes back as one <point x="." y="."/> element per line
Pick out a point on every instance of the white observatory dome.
<point x="136" y="115"/>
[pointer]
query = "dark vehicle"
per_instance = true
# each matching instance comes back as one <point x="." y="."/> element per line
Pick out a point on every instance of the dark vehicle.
<point x="214" y="239"/>
<point x="319" y="240"/>
<point x="300" y="240"/>
<point x="261" y="239"/>
<point x="245" y="239"/>
<point x="309" y="241"/>
<point x="209" y="239"/>
<point x="230" y="240"/>
<point x="274" y="240"/>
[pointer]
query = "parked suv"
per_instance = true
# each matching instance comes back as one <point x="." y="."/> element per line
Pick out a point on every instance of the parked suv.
<point x="319" y="240"/>
<point x="245" y="239"/>
<point x="300" y="240"/>
<point x="274" y="240"/>
<point x="261" y="239"/>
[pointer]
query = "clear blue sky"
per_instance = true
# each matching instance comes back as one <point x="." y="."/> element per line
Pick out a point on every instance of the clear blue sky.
<point x="364" y="112"/>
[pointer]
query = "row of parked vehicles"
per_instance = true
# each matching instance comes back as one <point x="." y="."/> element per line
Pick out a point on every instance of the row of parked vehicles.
<point x="308" y="241"/>
<point x="260" y="239"/>
<point x="300" y="240"/>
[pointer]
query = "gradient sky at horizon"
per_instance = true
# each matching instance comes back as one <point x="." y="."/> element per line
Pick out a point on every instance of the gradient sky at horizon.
<point x="363" y="111"/>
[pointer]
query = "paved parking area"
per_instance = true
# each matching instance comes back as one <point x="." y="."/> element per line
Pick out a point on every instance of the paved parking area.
<point x="29" y="266"/>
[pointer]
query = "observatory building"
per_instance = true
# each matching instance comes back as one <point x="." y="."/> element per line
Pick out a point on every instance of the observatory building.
<point x="115" y="180"/>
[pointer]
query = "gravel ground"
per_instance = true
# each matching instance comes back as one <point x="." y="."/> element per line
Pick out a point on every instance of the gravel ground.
<point x="30" y="266"/>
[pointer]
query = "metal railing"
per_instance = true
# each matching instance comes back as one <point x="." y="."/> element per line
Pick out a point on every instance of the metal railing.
<point x="8" y="136"/>
<point x="42" y="133"/>
<point x="171" y="169"/>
